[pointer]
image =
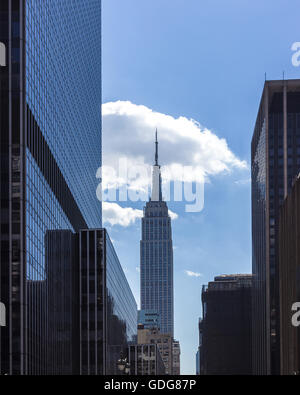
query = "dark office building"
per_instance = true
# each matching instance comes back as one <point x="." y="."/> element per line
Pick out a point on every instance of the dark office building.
<point x="198" y="362"/>
<point x="145" y="360"/>
<point x="199" y="359"/>
<point x="50" y="120"/>
<point x="275" y="163"/>
<point x="289" y="275"/>
<point x="60" y="307"/>
<point x="108" y="311"/>
<point x="87" y="315"/>
<point x="226" y="326"/>
<point x="157" y="290"/>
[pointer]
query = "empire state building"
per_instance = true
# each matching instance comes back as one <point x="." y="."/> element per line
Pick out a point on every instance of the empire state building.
<point x="156" y="255"/>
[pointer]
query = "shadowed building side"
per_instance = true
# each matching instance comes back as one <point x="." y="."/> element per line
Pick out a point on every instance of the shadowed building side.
<point x="289" y="269"/>
<point x="225" y="329"/>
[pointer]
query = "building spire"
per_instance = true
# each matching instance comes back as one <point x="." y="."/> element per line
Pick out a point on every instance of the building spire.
<point x="156" y="149"/>
<point x="156" y="176"/>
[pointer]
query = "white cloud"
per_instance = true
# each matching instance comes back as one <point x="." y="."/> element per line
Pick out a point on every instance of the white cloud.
<point x="128" y="131"/>
<point x="114" y="214"/>
<point x="173" y="215"/>
<point x="193" y="274"/>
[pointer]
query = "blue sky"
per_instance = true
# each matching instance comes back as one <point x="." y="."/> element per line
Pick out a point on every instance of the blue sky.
<point x="203" y="60"/>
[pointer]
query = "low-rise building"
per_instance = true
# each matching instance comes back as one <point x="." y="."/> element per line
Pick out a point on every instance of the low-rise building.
<point x="164" y="342"/>
<point x="145" y="360"/>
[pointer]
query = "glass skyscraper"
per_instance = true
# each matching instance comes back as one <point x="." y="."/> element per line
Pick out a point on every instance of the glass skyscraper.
<point x="108" y="310"/>
<point x="275" y="164"/>
<point x="50" y="122"/>
<point x="156" y="254"/>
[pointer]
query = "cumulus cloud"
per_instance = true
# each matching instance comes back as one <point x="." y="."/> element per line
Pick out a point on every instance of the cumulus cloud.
<point x="114" y="214"/>
<point x="128" y="143"/>
<point x="128" y="131"/>
<point x="192" y="274"/>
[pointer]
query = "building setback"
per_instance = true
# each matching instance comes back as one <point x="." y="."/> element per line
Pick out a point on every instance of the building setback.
<point x="225" y="347"/>
<point x="275" y="163"/>
<point x="289" y="274"/>
<point x="50" y="95"/>
<point x="156" y="255"/>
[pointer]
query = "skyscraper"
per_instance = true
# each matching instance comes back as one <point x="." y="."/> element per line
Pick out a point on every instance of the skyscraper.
<point x="108" y="310"/>
<point x="225" y="330"/>
<point x="50" y="123"/>
<point x="156" y="254"/>
<point x="87" y="312"/>
<point x="289" y="277"/>
<point x="275" y="163"/>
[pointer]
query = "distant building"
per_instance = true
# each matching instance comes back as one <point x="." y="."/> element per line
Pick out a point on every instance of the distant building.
<point x="275" y="163"/>
<point x="149" y="318"/>
<point x="289" y="274"/>
<point x="197" y="362"/>
<point x="156" y="258"/>
<point x="176" y="358"/>
<point x="226" y="326"/>
<point x="164" y="342"/>
<point x="145" y="360"/>
<point x="198" y="354"/>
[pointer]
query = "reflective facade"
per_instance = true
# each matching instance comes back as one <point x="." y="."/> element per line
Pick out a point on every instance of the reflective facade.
<point x="108" y="311"/>
<point x="275" y="163"/>
<point x="156" y="256"/>
<point x="50" y="152"/>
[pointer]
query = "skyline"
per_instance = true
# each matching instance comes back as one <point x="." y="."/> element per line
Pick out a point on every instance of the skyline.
<point x="190" y="62"/>
<point x="150" y="159"/>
